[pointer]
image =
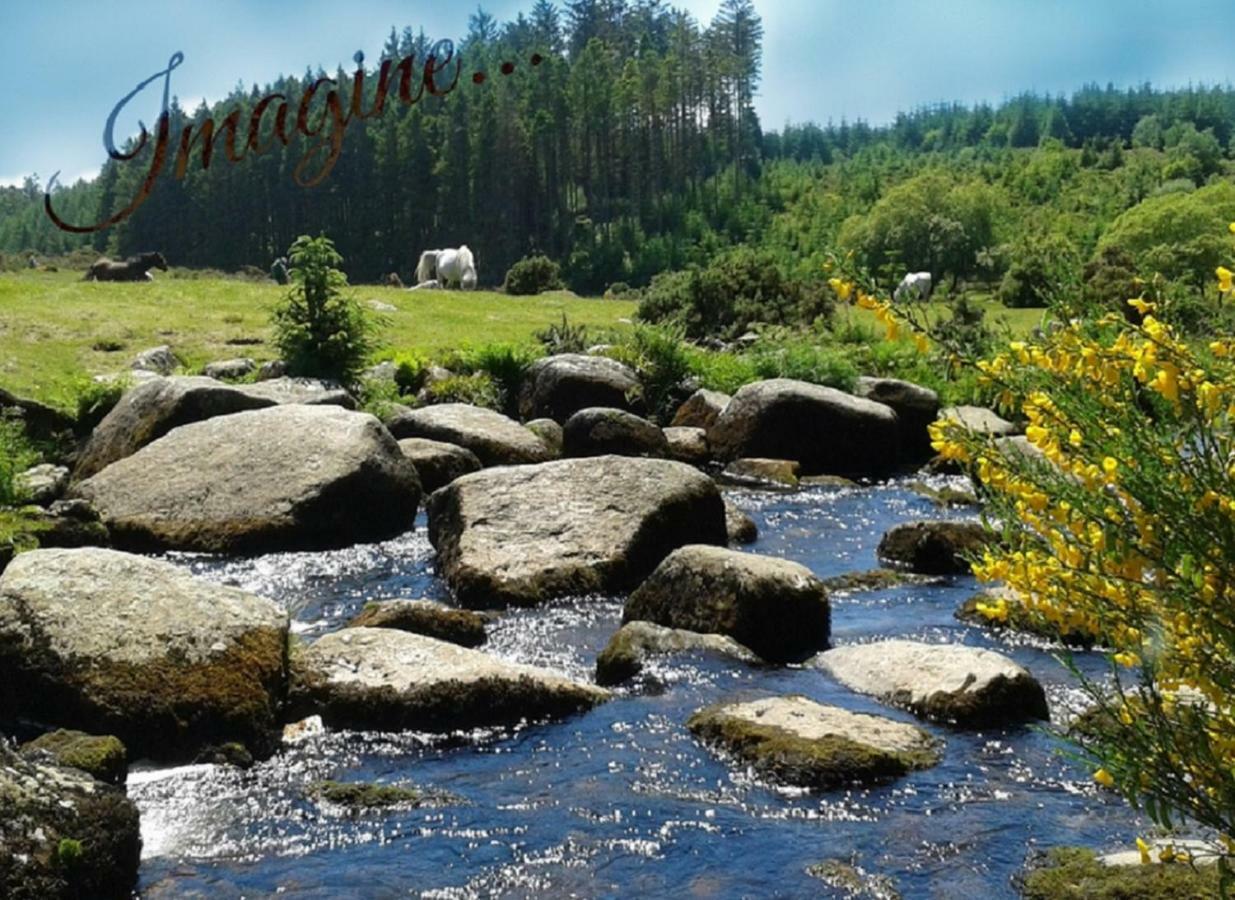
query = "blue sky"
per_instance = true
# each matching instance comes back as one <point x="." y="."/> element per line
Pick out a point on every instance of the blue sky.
<point x="69" y="62"/>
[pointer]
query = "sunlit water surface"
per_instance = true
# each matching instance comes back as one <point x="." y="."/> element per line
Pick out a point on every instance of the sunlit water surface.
<point x="622" y="802"/>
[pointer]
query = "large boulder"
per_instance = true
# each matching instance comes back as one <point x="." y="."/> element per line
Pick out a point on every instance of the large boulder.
<point x="64" y="835"/>
<point x="495" y="439"/>
<point x="629" y="648"/>
<point x="435" y="620"/>
<point x="795" y="741"/>
<point x="916" y="407"/>
<point x="285" y="478"/>
<point x="933" y="548"/>
<point x="826" y="430"/>
<point x="557" y="387"/>
<point x="520" y="535"/>
<point x="138" y="648"/>
<point x="776" y="607"/>
<point x="383" y="679"/>
<point x="596" y="431"/>
<point x="701" y="409"/>
<point x="949" y="682"/>
<point x="979" y="420"/>
<point x="437" y="462"/>
<point x="301" y="391"/>
<point x="151" y="410"/>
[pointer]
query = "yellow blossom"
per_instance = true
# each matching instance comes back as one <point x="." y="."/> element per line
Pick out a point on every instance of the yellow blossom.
<point x="1104" y="778"/>
<point x="1143" y="847"/>
<point x="1224" y="279"/>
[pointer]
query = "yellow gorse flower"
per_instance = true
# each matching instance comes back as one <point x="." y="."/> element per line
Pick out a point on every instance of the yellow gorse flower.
<point x="1225" y="277"/>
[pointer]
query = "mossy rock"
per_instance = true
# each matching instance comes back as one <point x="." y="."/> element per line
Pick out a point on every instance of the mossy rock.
<point x="101" y="756"/>
<point x="795" y="741"/>
<point x="875" y="580"/>
<point x="1073" y="873"/>
<point x="359" y="796"/>
<point x="436" y="620"/>
<point x="1022" y="620"/>
<point x="853" y="881"/>
<point x="628" y="649"/>
<point x="934" y="547"/>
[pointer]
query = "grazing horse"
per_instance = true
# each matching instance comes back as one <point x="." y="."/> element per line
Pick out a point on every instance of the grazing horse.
<point x="135" y="268"/>
<point x="914" y="286"/>
<point x="448" y="267"/>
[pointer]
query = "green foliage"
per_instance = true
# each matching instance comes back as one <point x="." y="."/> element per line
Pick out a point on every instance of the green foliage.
<point x="478" y="390"/>
<point x="662" y="360"/>
<point x="805" y="360"/>
<point x="533" y="275"/>
<point x="92" y="400"/>
<point x="379" y="397"/>
<point x="741" y="288"/>
<point x="1111" y="280"/>
<point x="721" y="371"/>
<point x="411" y="368"/>
<point x="1181" y="236"/>
<point x="966" y="329"/>
<point x="16" y="455"/>
<point x="68" y="853"/>
<point x="320" y="329"/>
<point x="1077" y="872"/>
<point x="1041" y="269"/>
<point x="563" y="338"/>
<point x="505" y="364"/>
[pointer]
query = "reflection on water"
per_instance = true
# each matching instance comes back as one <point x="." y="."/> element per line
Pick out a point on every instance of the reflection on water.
<point x="622" y="801"/>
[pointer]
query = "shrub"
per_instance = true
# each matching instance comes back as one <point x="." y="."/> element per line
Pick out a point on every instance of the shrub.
<point x="533" y="275"/>
<point x="92" y="400"/>
<point x="1110" y="280"/>
<point x="16" y="455"/>
<point x="505" y="364"/>
<point x="739" y="289"/>
<point x="411" y="370"/>
<point x="320" y="330"/>
<point x="620" y="290"/>
<point x="662" y="360"/>
<point x="1040" y="270"/>
<point x="803" y="360"/>
<point x="564" y="338"/>
<point x="478" y="390"/>
<point x="724" y="372"/>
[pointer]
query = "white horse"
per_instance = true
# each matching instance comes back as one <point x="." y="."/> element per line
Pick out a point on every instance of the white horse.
<point x="914" y="286"/>
<point x="449" y="267"/>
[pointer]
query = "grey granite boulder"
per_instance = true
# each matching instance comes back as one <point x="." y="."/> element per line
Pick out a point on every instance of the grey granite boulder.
<point x="624" y="656"/>
<point x="495" y="439"/>
<point x="597" y="431"/>
<point x="557" y="387"/>
<point x="437" y="462"/>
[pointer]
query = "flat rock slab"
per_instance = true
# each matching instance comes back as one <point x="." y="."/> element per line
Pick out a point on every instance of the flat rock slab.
<point x="597" y="431"/>
<point x="302" y="391"/>
<point x="112" y="643"/>
<point x="437" y="462"/>
<point x="43" y="805"/>
<point x="379" y="678"/>
<point x="557" y="387"/>
<point x="776" y="607"/>
<point x="758" y="472"/>
<point x="497" y="440"/>
<point x="952" y="683"/>
<point x="284" y="478"/>
<point x="627" y="651"/>
<point x="435" y="620"/>
<point x="796" y="741"/>
<point x="933" y="548"/>
<point x="826" y="430"/>
<point x="522" y="535"/>
<point x="154" y="408"/>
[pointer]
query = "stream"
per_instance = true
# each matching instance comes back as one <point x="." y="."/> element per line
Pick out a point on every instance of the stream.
<point x="622" y="801"/>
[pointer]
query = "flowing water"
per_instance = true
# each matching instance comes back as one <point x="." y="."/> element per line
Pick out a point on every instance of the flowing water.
<point x="621" y="801"/>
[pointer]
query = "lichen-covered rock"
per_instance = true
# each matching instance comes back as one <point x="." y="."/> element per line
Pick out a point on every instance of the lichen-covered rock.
<point x="776" y="607"/>
<point x="436" y="620"/>
<point x="64" y="835"/>
<point x="495" y="439"/>
<point x="285" y="478"/>
<point x="1077" y="872"/>
<point x="933" y="548"/>
<point x="521" y="535"/>
<point x="230" y="369"/>
<point x="966" y="686"/>
<point x="762" y="472"/>
<point x="549" y="432"/>
<point x="437" y="462"/>
<point x="701" y="409"/>
<point x="796" y="741"/>
<point x="916" y="407"/>
<point x="43" y="484"/>
<point x="633" y="643"/>
<point x="739" y="526"/>
<point x="101" y="756"/>
<point x="557" y="387"/>
<point x="301" y="392"/>
<point x="268" y="371"/>
<point x="826" y="430"/>
<point x="150" y="410"/>
<point x="112" y="643"/>
<point x="380" y="678"/>
<point x="688" y="445"/>
<point x="979" y="420"/>
<point x="597" y="431"/>
<point x="159" y="360"/>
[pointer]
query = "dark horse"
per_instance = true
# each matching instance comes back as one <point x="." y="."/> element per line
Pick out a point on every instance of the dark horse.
<point x="135" y="268"/>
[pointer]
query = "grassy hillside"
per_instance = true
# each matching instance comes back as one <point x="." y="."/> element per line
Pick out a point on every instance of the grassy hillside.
<point x="56" y="329"/>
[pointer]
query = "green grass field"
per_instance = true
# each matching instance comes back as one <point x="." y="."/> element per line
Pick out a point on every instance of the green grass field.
<point x="55" y="328"/>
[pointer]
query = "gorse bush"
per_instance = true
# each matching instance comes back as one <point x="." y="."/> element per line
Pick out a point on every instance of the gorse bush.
<point x="533" y="275"/>
<point x="319" y="327"/>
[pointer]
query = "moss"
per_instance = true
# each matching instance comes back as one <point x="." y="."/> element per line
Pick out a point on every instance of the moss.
<point x="1022" y="620"/>
<point x="824" y="763"/>
<point x="166" y="709"/>
<point x="620" y="661"/>
<point x="1074" y="872"/>
<point x="357" y="796"/>
<point x="875" y="580"/>
<point x="103" y="757"/>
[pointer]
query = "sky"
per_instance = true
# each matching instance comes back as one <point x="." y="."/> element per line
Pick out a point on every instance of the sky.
<point x="68" y="62"/>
